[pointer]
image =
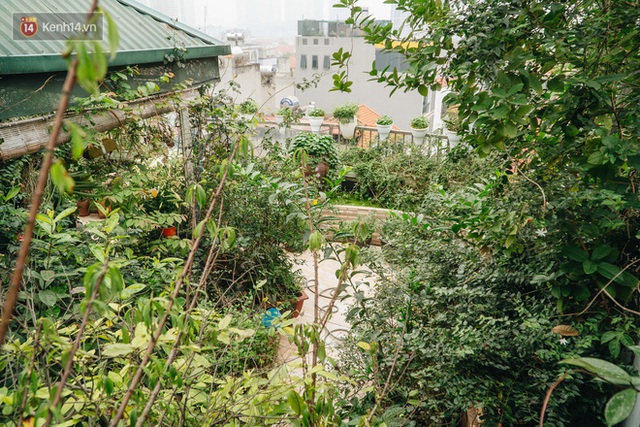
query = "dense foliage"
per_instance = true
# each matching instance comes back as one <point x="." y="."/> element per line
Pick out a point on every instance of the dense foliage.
<point x="552" y="86"/>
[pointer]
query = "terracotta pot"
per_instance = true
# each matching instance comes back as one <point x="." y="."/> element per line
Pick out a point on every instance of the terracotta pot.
<point x="299" y="303"/>
<point x="106" y="204"/>
<point x="83" y="207"/>
<point x="169" y="231"/>
<point x="321" y="170"/>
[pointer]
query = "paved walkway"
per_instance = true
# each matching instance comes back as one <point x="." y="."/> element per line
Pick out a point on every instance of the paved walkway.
<point x="337" y="327"/>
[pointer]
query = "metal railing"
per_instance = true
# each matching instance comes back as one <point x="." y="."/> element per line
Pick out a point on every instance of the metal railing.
<point x="367" y="137"/>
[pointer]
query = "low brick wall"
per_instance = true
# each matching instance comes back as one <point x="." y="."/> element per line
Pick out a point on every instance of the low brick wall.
<point x="352" y="213"/>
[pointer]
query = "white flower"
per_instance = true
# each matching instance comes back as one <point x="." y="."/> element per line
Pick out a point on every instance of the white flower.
<point x="541" y="232"/>
<point x="564" y="341"/>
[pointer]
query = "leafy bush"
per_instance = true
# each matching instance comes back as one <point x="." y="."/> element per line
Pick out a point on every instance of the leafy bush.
<point x="460" y="319"/>
<point x="318" y="147"/>
<point x="249" y="107"/>
<point x="384" y="121"/>
<point x="345" y="113"/>
<point x="316" y="112"/>
<point x="420" y="122"/>
<point x="401" y="180"/>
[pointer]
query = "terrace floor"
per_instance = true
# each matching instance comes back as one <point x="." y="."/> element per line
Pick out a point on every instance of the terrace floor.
<point x="337" y="327"/>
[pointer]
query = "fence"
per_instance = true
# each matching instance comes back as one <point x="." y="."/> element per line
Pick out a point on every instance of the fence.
<point x="366" y="137"/>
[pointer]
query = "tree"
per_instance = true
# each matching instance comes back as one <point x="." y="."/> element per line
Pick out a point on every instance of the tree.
<point x="553" y="88"/>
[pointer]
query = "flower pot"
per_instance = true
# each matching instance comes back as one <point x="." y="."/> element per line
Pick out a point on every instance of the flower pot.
<point x="321" y="170"/>
<point x="453" y="137"/>
<point x="418" y="135"/>
<point x="168" y="231"/>
<point x="384" y="131"/>
<point x="299" y="303"/>
<point x="315" y="123"/>
<point x="106" y="205"/>
<point x="83" y="207"/>
<point x="348" y="129"/>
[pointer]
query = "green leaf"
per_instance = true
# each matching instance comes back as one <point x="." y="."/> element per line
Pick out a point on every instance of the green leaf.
<point x="535" y="84"/>
<point x="606" y="370"/>
<point x="117" y="350"/>
<point x="619" y="407"/>
<point x="48" y="297"/>
<point x="65" y="213"/>
<point x="556" y="84"/>
<point x="60" y="177"/>
<point x="130" y="291"/>
<point x="575" y="253"/>
<point x="365" y="346"/>
<point x="47" y="275"/>
<point x="296" y="402"/>
<point x="225" y="322"/>
<point x="601" y="252"/>
<point x="589" y="266"/>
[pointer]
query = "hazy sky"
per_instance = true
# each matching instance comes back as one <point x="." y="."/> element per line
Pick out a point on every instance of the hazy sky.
<point x="224" y="12"/>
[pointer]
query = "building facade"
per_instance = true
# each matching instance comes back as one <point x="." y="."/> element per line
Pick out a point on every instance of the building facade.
<point x="315" y="44"/>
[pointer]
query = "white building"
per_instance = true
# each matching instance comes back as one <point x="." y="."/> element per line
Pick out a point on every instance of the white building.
<point x="315" y="44"/>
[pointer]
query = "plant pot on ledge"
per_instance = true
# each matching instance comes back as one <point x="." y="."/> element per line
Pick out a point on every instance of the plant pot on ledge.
<point x="348" y="128"/>
<point x="315" y="123"/>
<point x="83" y="207"/>
<point x="299" y="303"/>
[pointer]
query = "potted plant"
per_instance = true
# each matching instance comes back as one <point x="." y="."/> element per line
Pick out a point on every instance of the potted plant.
<point x="419" y="127"/>
<point x="384" y="125"/>
<point x="316" y="117"/>
<point x="248" y="109"/>
<point x="346" y="115"/>
<point x="321" y="150"/>
<point x="283" y="115"/>
<point x="452" y="127"/>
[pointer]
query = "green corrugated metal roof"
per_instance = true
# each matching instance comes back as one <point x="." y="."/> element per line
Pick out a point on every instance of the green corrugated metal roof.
<point x="145" y="36"/>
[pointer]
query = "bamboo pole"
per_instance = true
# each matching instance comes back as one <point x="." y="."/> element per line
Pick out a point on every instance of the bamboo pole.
<point x="31" y="135"/>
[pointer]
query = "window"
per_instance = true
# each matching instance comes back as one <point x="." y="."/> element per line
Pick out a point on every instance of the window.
<point x="327" y="63"/>
<point x="326" y="42"/>
<point x="315" y="41"/>
<point x="303" y="61"/>
<point x="314" y="62"/>
<point x="304" y="41"/>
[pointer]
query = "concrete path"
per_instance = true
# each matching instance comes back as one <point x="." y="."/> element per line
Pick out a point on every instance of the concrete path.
<point x="337" y="327"/>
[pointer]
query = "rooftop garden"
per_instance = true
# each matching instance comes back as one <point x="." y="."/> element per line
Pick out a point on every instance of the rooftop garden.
<point x="507" y="286"/>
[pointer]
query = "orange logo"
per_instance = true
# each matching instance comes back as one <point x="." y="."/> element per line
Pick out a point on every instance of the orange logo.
<point x="28" y="26"/>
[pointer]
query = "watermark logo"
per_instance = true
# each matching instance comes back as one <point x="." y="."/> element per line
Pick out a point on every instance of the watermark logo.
<point x="56" y="26"/>
<point x="28" y="26"/>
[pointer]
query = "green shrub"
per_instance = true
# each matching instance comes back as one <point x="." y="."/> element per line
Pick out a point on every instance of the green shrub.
<point x="345" y="113"/>
<point x="384" y="121"/>
<point x="318" y="147"/>
<point x="420" y="122"/>
<point x="249" y="107"/>
<point x="316" y="112"/>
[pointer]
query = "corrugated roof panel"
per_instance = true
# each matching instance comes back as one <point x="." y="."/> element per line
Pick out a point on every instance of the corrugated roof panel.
<point x="145" y="36"/>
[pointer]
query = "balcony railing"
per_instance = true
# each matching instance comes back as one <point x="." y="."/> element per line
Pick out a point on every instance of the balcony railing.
<point x="366" y="137"/>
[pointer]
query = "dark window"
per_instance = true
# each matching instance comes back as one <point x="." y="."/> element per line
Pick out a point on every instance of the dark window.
<point x="303" y="61"/>
<point x="314" y="62"/>
<point x="327" y="62"/>
<point x="315" y="41"/>
<point x="304" y="41"/>
<point x="326" y="42"/>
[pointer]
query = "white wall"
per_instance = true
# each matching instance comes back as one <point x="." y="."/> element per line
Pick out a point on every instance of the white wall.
<point x="401" y="106"/>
